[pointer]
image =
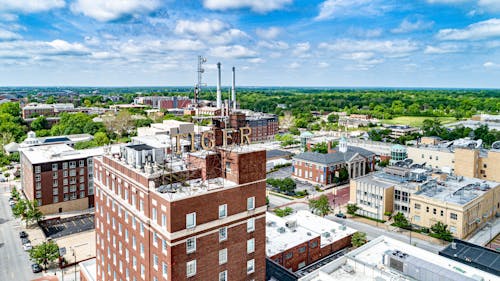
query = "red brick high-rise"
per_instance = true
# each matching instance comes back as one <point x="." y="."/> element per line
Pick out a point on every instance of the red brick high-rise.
<point x="193" y="217"/>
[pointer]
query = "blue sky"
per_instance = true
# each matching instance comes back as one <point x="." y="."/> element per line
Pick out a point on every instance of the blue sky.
<point x="342" y="43"/>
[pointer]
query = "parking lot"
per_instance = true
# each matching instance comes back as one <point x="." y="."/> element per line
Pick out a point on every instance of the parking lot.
<point x="55" y="228"/>
<point x="286" y="172"/>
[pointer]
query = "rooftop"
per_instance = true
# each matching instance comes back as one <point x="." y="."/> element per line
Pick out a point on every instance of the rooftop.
<point x="457" y="190"/>
<point x="473" y="255"/>
<point x="89" y="269"/>
<point x="58" y="152"/>
<point x="385" y="258"/>
<point x="295" y="229"/>
<point x="335" y="157"/>
<point x="196" y="187"/>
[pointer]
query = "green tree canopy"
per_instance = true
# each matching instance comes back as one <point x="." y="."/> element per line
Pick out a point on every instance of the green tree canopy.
<point x="352" y="209"/>
<point x="358" y="239"/>
<point x="45" y="253"/>
<point x="320" y="206"/>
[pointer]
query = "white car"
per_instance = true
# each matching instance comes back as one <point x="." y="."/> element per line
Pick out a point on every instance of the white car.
<point x="27" y="246"/>
<point x="12" y="202"/>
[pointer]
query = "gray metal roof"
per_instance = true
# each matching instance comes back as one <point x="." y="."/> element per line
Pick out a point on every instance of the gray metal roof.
<point x="335" y="157"/>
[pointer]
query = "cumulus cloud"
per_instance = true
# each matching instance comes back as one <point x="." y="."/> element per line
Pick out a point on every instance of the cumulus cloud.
<point x="294" y="65"/>
<point x="109" y="10"/>
<point x="6" y="35"/>
<point x="442" y="49"/>
<point x="341" y="8"/>
<point x="62" y="47"/>
<point x="407" y="26"/>
<point x="233" y="51"/>
<point x="389" y="48"/>
<point x="477" y="31"/>
<point x="213" y="31"/>
<point x="273" y="45"/>
<point x="260" y="6"/>
<point x="302" y="49"/>
<point x="30" y="6"/>
<point x="490" y="65"/>
<point x="323" y="65"/>
<point x="268" y="33"/>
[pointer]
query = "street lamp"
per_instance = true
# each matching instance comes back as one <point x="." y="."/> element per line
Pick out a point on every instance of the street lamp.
<point x="74" y="253"/>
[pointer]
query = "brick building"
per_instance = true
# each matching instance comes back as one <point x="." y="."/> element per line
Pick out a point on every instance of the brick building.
<point x="164" y="102"/>
<point x="302" y="238"/>
<point x="324" y="169"/>
<point x="199" y="216"/>
<point x="58" y="177"/>
<point x="47" y="110"/>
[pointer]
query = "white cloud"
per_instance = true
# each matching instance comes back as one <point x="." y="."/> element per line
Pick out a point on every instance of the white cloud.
<point x="145" y="47"/>
<point x="109" y="10"/>
<point x="260" y="6"/>
<point x="257" y="60"/>
<point x="269" y="33"/>
<point x="477" y="31"/>
<point x="442" y="49"/>
<point x="213" y="31"/>
<point x="490" y="5"/>
<point x="294" y="65"/>
<point x="61" y="47"/>
<point x="6" y="35"/>
<point x="409" y="26"/>
<point x="273" y="45"/>
<point x="233" y="51"/>
<point x="30" y="6"/>
<point x="490" y="65"/>
<point x="390" y="48"/>
<point x="323" y="65"/>
<point x="341" y="8"/>
<point x="301" y="49"/>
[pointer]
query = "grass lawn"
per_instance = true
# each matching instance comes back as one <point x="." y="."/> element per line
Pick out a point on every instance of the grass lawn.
<point x="416" y="121"/>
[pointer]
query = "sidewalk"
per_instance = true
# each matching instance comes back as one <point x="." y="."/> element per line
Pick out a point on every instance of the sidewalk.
<point x="487" y="233"/>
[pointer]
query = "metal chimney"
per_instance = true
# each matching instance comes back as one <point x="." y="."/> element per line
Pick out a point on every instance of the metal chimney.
<point x="233" y="90"/>
<point x="219" y="94"/>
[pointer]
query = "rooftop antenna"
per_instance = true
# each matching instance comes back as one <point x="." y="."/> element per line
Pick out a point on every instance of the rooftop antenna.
<point x="200" y="71"/>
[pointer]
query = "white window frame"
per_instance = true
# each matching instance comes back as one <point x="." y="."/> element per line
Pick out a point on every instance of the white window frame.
<point x="223" y="276"/>
<point x="252" y="201"/>
<point x="250" y="266"/>
<point x="193" y="224"/>
<point x="222" y="256"/>
<point x="223" y="237"/>
<point x="251" y="225"/>
<point x="222" y="211"/>
<point x="191" y="245"/>
<point x="191" y="268"/>
<point x="250" y="246"/>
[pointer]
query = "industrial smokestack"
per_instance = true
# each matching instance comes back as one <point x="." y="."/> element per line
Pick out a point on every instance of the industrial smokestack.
<point x="233" y="90"/>
<point x="219" y="94"/>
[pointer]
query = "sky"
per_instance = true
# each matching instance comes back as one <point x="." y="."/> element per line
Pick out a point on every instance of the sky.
<point x="332" y="43"/>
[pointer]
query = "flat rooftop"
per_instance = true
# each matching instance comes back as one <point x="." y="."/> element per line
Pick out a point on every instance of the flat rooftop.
<point x="458" y="190"/>
<point x="376" y="179"/>
<point x="305" y="227"/>
<point x="195" y="187"/>
<point x="58" y="152"/>
<point x="473" y="255"/>
<point x="89" y="269"/>
<point x="373" y="261"/>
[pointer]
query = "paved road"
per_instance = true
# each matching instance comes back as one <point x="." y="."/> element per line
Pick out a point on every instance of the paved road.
<point x="373" y="232"/>
<point x="14" y="262"/>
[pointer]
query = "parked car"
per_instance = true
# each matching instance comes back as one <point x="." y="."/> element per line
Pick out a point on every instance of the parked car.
<point x="25" y="241"/>
<point x="36" y="268"/>
<point x="340" y="215"/>
<point x="12" y="203"/>
<point x="23" y="234"/>
<point x="27" y="246"/>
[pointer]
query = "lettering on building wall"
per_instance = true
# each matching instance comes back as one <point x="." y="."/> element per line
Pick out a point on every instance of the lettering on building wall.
<point x="207" y="139"/>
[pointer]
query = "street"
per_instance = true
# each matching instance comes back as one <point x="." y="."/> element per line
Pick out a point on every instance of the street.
<point x="14" y="261"/>
<point x="373" y="232"/>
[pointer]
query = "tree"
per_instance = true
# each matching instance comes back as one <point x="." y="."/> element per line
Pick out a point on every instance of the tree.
<point x="440" y="231"/>
<point x="320" y="205"/>
<point x="19" y="209"/>
<point x="45" y="253"/>
<point x="352" y="209"/>
<point x="283" y="212"/>
<point x="401" y="221"/>
<point x="32" y="214"/>
<point x="321" y="147"/>
<point x="343" y="174"/>
<point x="358" y="239"/>
<point x="333" y="118"/>
<point x="100" y="138"/>
<point x="15" y="194"/>
<point x="40" y="123"/>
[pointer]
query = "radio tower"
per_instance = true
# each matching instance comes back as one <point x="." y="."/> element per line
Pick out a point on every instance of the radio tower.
<point x="197" y="88"/>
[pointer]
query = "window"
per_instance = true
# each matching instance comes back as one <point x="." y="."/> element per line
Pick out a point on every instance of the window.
<point x="417" y="206"/>
<point x="416" y="218"/>
<point x="143" y="271"/>
<point x="302" y="249"/>
<point x="442" y="213"/>
<point x="250" y="203"/>
<point x="155" y="261"/>
<point x="313" y="244"/>
<point x="153" y="214"/>
<point x="164" y="246"/>
<point x="55" y="199"/>
<point x="65" y="174"/>
<point x="164" y="221"/>
<point x="453" y="216"/>
<point x="250" y="266"/>
<point x="289" y="255"/>
<point x="38" y="178"/>
<point x="228" y="167"/>
<point x="141" y="246"/>
<point x="222" y="234"/>
<point x="38" y="186"/>
<point x="427" y="209"/>
<point x="82" y="194"/>
<point x="38" y="194"/>
<point x="453" y="229"/>
<point x="250" y="246"/>
<point x="55" y="191"/>
<point x="165" y="270"/>
<point x="222" y="211"/>
<point x="191" y="220"/>
<point x="223" y="276"/>
<point x="191" y="268"/>
<point x="222" y="256"/>
<point x="250" y="224"/>
<point x="38" y="169"/>
<point x="191" y="245"/>
<point x="434" y="211"/>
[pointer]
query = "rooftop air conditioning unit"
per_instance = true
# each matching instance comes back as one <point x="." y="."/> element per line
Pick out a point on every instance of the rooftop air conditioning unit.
<point x="281" y="230"/>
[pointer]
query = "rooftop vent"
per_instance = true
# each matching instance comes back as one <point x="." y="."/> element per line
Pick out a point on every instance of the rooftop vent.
<point x="281" y="229"/>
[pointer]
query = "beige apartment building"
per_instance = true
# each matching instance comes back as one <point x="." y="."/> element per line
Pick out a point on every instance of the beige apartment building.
<point x="478" y="164"/>
<point x="464" y="204"/>
<point x="373" y="195"/>
<point x="441" y="158"/>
